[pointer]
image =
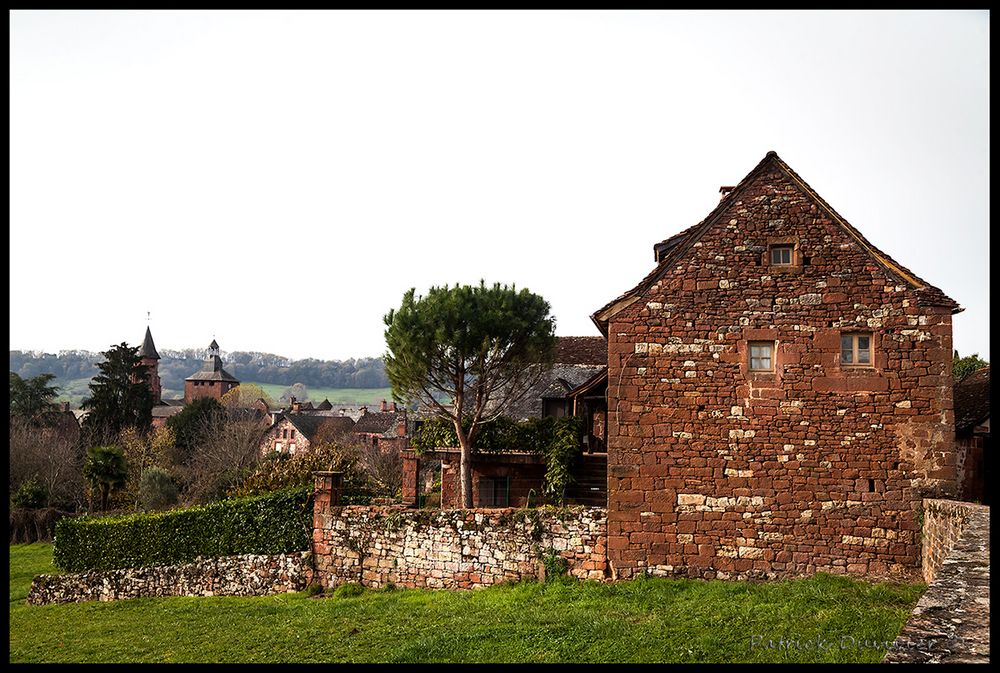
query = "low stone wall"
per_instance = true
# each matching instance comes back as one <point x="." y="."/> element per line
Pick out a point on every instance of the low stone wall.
<point x="951" y="623"/>
<point x="453" y="549"/>
<point x="247" y="575"/>
<point x="944" y="521"/>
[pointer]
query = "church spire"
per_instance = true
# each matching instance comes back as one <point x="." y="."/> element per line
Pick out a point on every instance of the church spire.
<point x="148" y="350"/>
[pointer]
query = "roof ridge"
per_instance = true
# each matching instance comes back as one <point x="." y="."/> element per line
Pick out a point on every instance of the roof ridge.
<point x="694" y="233"/>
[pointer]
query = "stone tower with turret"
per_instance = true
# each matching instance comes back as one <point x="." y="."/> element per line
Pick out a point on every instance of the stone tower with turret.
<point x="211" y="380"/>
<point x="151" y="360"/>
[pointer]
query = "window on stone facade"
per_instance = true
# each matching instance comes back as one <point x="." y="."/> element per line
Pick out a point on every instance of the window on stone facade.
<point x="781" y="255"/>
<point x="761" y="356"/>
<point x="856" y="350"/>
<point x="293" y="434"/>
<point x="277" y="446"/>
<point x="494" y="491"/>
<point x="284" y="433"/>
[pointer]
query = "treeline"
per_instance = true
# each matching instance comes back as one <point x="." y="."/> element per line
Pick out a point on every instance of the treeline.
<point x="177" y="365"/>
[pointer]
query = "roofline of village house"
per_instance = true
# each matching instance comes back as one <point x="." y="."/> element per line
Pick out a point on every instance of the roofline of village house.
<point x="601" y="317"/>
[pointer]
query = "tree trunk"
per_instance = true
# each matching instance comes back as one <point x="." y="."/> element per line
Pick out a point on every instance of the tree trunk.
<point x="465" y="466"/>
<point x="105" y="491"/>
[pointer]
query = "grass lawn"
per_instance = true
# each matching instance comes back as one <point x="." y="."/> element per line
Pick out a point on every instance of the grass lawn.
<point x="649" y="620"/>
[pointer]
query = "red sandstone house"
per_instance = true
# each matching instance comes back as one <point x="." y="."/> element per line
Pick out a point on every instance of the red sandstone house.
<point x="296" y="432"/>
<point x="779" y="395"/>
<point x="972" y="434"/>
<point x="384" y="429"/>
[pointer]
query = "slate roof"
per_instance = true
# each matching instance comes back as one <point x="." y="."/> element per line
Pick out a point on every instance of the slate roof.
<point x="148" y="350"/>
<point x="310" y="424"/>
<point x="166" y="410"/>
<point x="972" y="400"/>
<point x="554" y="383"/>
<point x="212" y="371"/>
<point x="379" y="423"/>
<point x="675" y="247"/>
<point x="324" y="405"/>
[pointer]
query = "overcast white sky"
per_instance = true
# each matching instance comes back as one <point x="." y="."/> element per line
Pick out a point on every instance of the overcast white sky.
<point x="278" y="180"/>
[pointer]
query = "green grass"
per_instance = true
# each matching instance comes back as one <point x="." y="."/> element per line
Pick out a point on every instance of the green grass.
<point x="650" y="620"/>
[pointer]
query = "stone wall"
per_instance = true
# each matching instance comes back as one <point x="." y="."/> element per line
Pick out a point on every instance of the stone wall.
<point x="951" y="623"/>
<point x="453" y="549"/>
<point x="715" y="470"/>
<point x="247" y="575"/>
<point x="944" y="523"/>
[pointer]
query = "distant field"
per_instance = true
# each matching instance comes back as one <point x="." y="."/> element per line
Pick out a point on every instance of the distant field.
<point x="335" y="395"/>
<point x="75" y="390"/>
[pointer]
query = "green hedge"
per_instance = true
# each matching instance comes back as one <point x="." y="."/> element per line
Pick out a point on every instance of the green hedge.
<point x="275" y="523"/>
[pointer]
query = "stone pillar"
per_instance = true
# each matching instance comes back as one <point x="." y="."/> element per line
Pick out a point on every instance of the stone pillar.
<point x="326" y="490"/>
<point x="411" y="472"/>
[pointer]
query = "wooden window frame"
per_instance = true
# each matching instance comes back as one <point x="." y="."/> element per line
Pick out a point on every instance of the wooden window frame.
<point x="781" y="246"/>
<point x="795" y="255"/>
<point x="855" y="350"/>
<point x="750" y="356"/>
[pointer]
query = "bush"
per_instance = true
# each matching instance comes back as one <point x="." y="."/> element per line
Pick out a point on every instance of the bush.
<point x="555" y="565"/>
<point x="31" y="495"/>
<point x="277" y="523"/>
<point x="349" y="590"/>
<point x="284" y="471"/>
<point x="157" y="489"/>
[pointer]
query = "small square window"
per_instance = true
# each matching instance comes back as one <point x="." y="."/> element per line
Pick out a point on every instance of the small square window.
<point x="761" y="356"/>
<point x="781" y="255"/>
<point x="856" y="350"/>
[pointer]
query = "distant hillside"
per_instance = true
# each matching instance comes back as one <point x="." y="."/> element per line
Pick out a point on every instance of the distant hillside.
<point x="74" y="369"/>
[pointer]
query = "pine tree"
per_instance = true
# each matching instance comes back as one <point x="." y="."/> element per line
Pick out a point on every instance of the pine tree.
<point x="120" y="396"/>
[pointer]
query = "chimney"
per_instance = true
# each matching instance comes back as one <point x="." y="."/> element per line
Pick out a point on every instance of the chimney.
<point x="401" y="426"/>
<point x="65" y="406"/>
<point x="724" y="191"/>
<point x="394" y="407"/>
<point x="385" y="407"/>
<point x="296" y="405"/>
<point x="364" y="410"/>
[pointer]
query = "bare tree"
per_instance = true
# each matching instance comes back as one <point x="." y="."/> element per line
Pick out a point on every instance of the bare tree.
<point x="227" y="452"/>
<point x="50" y="456"/>
<point x="383" y="466"/>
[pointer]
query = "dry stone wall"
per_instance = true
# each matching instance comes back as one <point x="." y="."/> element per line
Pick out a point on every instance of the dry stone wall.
<point x="247" y="575"/>
<point x="944" y="522"/>
<point x="951" y="623"/>
<point x="453" y="549"/>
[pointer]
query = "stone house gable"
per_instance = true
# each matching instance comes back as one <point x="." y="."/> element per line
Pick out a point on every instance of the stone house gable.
<point x="284" y="437"/>
<point x="779" y="395"/>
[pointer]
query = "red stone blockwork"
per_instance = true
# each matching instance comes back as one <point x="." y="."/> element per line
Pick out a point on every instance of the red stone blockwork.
<point x="719" y="471"/>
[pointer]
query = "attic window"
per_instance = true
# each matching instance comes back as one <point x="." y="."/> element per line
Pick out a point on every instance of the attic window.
<point x="761" y="356"/>
<point x="781" y="255"/>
